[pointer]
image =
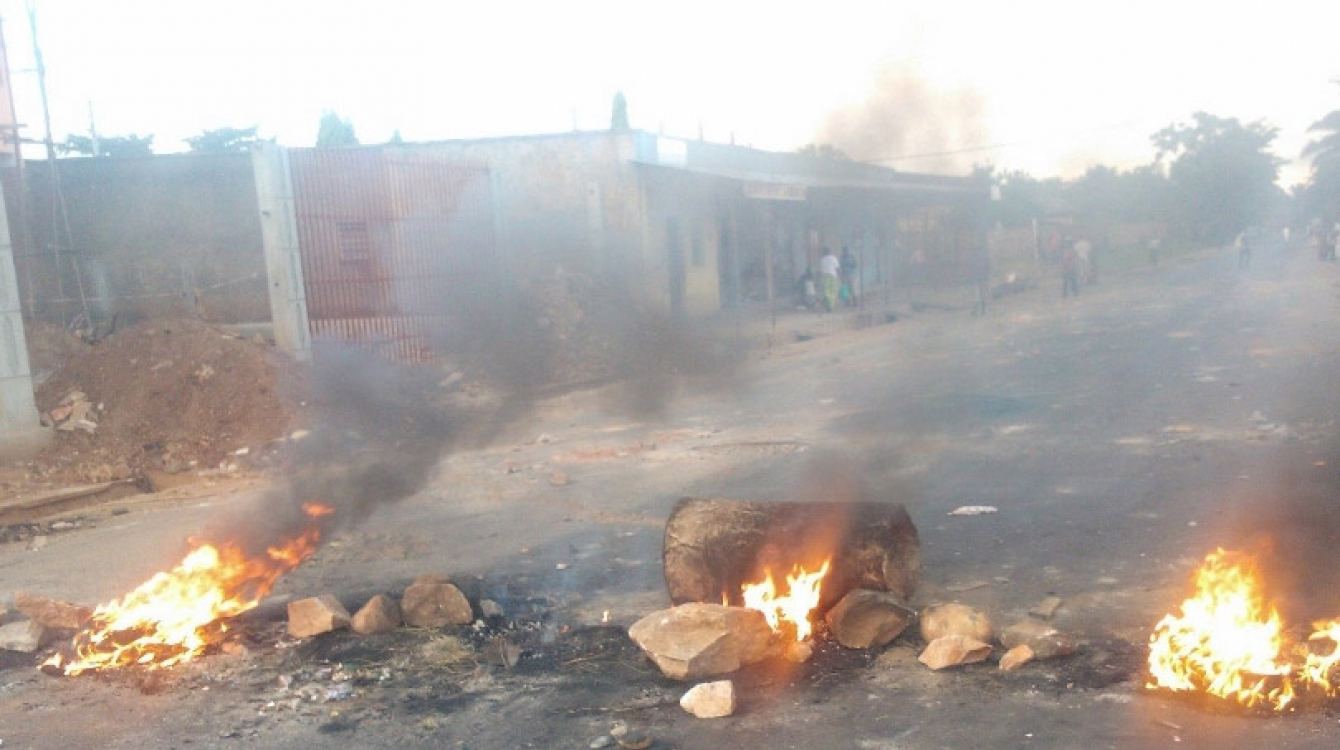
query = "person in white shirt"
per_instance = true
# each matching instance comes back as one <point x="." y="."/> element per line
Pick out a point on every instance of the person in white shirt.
<point x="829" y="266"/>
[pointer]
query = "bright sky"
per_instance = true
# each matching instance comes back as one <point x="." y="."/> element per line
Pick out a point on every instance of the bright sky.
<point x="1061" y="85"/>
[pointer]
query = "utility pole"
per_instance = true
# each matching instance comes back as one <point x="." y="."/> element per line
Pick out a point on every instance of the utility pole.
<point x="93" y="132"/>
<point x="59" y="220"/>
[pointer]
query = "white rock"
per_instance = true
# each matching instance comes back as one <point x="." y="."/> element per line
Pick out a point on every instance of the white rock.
<point x="710" y="700"/>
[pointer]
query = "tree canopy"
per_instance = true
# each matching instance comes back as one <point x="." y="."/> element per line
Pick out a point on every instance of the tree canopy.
<point x="223" y="140"/>
<point x="108" y="146"/>
<point x="1221" y="172"/>
<point x="1320" y="198"/>
<point x="335" y="131"/>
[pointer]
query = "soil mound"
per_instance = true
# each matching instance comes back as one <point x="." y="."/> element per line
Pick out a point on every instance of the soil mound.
<point x="168" y="395"/>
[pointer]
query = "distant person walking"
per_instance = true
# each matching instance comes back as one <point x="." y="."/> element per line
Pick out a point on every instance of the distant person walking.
<point x="848" y="264"/>
<point x="1084" y="251"/>
<point x="981" y="278"/>
<point x="1244" y="245"/>
<point x="829" y="267"/>
<point x="1069" y="271"/>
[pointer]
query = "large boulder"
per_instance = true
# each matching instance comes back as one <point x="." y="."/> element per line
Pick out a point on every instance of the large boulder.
<point x="693" y="641"/>
<point x="53" y="613"/>
<point x="953" y="651"/>
<point x="24" y="636"/>
<point x="380" y="615"/>
<point x="868" y="619"/>
<point x="434" y="603"/>
<point x="943" y="620"/>
<point x="1046" y="641"/>
<point x="317" y="615"/>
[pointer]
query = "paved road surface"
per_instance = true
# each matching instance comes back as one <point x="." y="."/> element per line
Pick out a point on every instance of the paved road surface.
<point x="1122" y="435"/>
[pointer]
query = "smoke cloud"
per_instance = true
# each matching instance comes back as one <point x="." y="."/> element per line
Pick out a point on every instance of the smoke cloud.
<point x="905" y="116"/>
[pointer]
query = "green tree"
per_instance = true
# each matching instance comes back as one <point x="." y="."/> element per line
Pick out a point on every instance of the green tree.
<point x="223" y="140"/>
<point x="395" y="139"/>
<point x="335" y="131"/>
<point x="109" y="146"/>
<point x="1320" y="198"/>
<point x="823" y="151"/>
<point x="619" y="113"/>
<point x="1221" y="173"/>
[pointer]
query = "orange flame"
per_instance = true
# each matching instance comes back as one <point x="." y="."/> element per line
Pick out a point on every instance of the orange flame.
<point x="791" y="611"/>
<point x="175" y="615"/>
<point x="1228" y="642"/>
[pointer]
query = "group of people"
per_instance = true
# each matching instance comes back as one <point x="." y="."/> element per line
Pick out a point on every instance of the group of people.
<point x="836" y="283"/>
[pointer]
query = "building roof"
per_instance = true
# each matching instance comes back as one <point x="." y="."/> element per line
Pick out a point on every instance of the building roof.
<point x="754" y="165"/>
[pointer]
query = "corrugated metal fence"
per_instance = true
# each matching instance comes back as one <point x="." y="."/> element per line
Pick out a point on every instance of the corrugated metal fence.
<point x="393" y="243"/>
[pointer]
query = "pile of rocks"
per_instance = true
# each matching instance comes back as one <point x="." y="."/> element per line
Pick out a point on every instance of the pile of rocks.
<point x="697" y="641"/>
<point x="431" y="601"/>
<point x="42" y="620"/>
<point x="73" y="412"/>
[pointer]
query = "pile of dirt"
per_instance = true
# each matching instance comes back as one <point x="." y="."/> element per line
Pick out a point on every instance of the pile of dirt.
<point x="50" y="347"/>
<point x="169" y="395"/>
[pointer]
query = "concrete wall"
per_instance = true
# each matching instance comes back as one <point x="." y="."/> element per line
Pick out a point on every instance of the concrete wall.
<point x="570" y="199"/>
<point x="152" y="236"/>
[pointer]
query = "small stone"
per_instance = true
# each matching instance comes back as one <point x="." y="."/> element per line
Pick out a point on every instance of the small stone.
<point x="798" y="652"/>
<point x="434" y="605"/>
<point x="868" y="619"/>
<point x="297" y="435"/>
<point x="695" y="640"/>
<point x="955" y="619"/>
<point x="429" y="723"/>
<point x="316" y="615"/>
<point x="53" y="613"/>
<point x="25" y="636"/>
<point x="634" y="740"/>
<point x="1015" y="658"/>
<point x="601" y="742"/>
<point x="380" y="615"/>
<point x="490" y="608"/>
<point x="953" y="651"/>
<point x="233" y="648"/>
<point x="1046" y="641"/>
<point x="1044" y="609"/>
<point x="558" y="479"/>
<point x="710" y="700"/>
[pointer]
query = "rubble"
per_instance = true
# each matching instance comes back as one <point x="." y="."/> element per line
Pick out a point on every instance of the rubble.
<point x="631" y="738"/>
<point x="953" y="651"/>
<point x="316" y="615"/>
<point x="710" y="700"/>
<point x="380" y="615"/>
<point x="490" y="608"/>
<point x="52" y="613"/>
<point x="433" y="602"/>
<point x="694" y="641"/>
<point x="941" y="620"/>
<point x="868" y="619"/>
<point x="1046" y="641"/>
<point x="24" y="636"/>
<point x="1015" y="658"/>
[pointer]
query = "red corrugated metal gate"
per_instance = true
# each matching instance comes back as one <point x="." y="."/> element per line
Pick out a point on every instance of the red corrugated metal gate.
<point x="392" y="242"/>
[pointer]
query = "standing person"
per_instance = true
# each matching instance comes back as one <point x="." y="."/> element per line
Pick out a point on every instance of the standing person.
<point x="1084" y="251"/>
<point x="981" y="277"/>
<point x="1244" y="246"/>
<point x="848" y="264"/>
<point x="828" y="271"/>
<point x="1069" y="271"/>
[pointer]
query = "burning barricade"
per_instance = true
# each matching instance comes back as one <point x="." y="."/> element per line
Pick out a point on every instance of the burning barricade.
<point x="1227" y="641"/>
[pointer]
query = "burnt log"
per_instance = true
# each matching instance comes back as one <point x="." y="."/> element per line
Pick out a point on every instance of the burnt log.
<point x="713" y="546"/>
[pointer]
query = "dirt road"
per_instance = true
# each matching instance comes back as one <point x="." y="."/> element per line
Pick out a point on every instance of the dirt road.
<point x="1122" y="436"/>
